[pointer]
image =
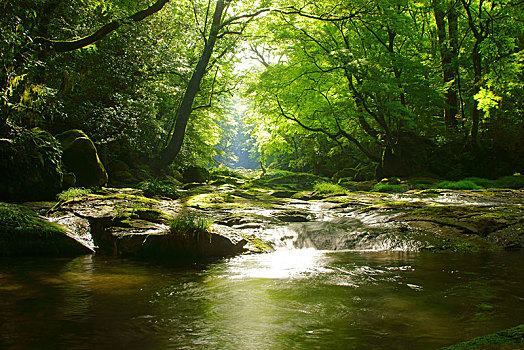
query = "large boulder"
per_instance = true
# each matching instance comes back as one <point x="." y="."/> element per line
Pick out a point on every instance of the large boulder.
<point x="30" y="166"/>
<point x="134" y="226"/>
<point x="196" y="174"/>
<point x="81" y="158"/>
<point x="24" y="233"/>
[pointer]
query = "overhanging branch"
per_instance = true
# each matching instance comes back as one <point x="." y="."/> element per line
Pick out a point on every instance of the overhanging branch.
<point x="65" y="46"/>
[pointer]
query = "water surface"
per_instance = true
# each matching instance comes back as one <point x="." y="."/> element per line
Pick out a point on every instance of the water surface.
<point x="300" y="299"/>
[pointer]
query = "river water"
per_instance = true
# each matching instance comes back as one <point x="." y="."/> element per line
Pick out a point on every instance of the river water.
<point x="289" y="299"/>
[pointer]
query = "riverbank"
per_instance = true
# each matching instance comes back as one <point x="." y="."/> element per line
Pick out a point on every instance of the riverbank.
<point x="240" y="214"/>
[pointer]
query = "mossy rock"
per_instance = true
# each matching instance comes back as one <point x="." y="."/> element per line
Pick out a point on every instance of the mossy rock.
<point x="295" y="181"/>
<point x="81" y="158"/>
<point x="117" y="165"/>
<point x="196" y="174"/>
<point x="512" y="338"/>
<point x="24" y="233"/>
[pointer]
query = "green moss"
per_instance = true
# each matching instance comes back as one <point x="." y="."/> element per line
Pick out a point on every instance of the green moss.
<point x="329" y="188"/>
<point x="80" y="157"/>
<point x="388" y="188"/>
<point x="458" y="185"/>
<point x="22" y="232"/>
<point x="257" y="245"/>
<point x="512" y="338"/>
<point x="516" y="181"/>
<point x="137" y="211"/>
<point x="128" y="197"/>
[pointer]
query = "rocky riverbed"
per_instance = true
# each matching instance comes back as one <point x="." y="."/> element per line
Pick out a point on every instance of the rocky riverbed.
<point x="249" y="215"/>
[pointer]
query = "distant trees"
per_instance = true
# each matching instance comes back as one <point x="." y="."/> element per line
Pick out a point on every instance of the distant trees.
<point x="396" y="81"/>
<point x="403" y="87"/>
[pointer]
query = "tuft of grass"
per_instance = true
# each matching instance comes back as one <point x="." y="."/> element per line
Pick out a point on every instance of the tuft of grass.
<point x="190" y="224"/>
<point x="72" y="193"/>
<point x="389" y="188"/>
<point x="458" y="185"/>
<point x="155" y="187"/>
<point x="329" y="188"/>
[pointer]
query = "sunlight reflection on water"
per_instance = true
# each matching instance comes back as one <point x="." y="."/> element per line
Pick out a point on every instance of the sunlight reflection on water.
<point x="281" y="264"/>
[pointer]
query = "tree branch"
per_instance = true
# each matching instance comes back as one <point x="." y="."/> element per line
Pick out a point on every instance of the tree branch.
<point x="65" y="46"/>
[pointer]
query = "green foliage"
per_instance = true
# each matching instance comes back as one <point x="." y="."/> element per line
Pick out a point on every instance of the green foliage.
<point x="329" y="188"/>
<point x="389" y="188"/>
<point x="458" y="185"/>
<point x="155" y="187"/>
<point x="329" y="95"/>
<point x="485" y="183"/>
<point x="73" y="193"/>
<point x="225" y="171"/>
<point x="190" y="224"/>
<point x="515" y="181"/>
<point x="30" y="165"/>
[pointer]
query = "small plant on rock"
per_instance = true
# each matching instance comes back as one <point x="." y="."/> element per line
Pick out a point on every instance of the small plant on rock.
<point x="73" y="193"/>
<point x="329" y="188"/>
<point x="190" y="224"/>
<point x="155" y="187"/>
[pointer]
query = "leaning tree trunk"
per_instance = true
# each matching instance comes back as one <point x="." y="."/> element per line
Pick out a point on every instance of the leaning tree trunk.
<point x="186" y="106"/>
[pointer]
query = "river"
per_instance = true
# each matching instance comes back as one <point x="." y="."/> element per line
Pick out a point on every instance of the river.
<point x="289" y="299"/>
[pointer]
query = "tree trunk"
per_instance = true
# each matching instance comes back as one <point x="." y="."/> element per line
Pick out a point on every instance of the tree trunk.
<point x="448" y="52"/>
<point x="186" y="106"/>
<point x="452" y="94"/>
<point x="475" y="113"/>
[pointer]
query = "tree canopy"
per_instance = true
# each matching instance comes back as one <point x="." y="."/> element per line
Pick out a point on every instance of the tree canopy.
<point x="382" y="87"/>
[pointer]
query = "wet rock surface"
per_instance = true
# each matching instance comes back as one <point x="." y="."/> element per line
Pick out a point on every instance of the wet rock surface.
<point x="122" y="222"/>
<point x="125" y="223"/>
<point x="412" y="221"/>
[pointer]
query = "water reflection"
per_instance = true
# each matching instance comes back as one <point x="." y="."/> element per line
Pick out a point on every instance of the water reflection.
<point x="280" y="264"/>
<point x="287" y="299"/>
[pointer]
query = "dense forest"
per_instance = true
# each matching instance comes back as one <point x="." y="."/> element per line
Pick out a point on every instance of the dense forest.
<point x="282" y="174"/>
<point x="362" y="89"/>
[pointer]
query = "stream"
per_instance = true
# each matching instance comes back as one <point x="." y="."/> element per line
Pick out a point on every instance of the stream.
<point x="297" y="298"/>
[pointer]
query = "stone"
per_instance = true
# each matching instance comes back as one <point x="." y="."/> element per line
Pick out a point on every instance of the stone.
<point x="80" y="157"/>
<point x="69" y="180"/>
<point x="196" y="174"/>
<point x="24" y="233"/>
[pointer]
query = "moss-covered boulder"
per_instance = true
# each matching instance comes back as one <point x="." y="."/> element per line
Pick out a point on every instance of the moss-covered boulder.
<point x="196" y="174"/>
<point x="81" y="158"/>
<point x="30" y="166"/>
<point x="512" y="338"/>
<point x="24" y="233"/>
